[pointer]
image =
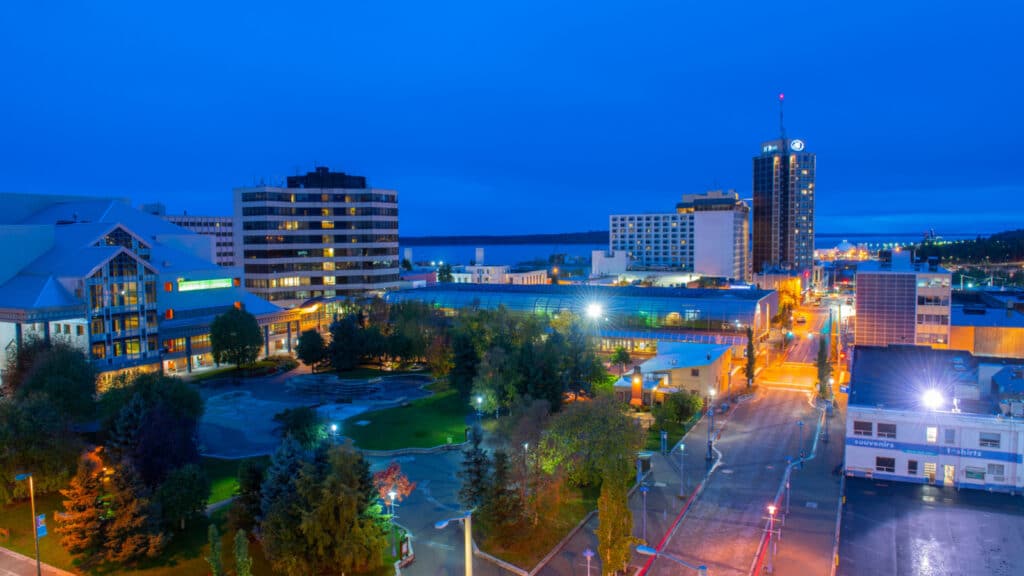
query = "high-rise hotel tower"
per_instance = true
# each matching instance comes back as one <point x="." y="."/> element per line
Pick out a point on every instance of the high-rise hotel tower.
<point x="783" y="204"/>
<point x="325" y="235"/>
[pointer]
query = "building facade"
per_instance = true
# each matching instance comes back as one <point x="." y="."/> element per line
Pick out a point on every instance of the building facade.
<point x="707" y="234"/>
<point x="899" y="301"/>
<point x="220" y="228"/>
<point x="925" y="416"/>
<point x="784" y="206"/>
<point x="133" y="292"/>
<point x="325" y="234"/>
<point x="489" y="274"/>
<point x="699" y="369"/>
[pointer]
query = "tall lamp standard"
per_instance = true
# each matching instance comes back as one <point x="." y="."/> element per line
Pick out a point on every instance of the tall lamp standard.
<point x="35" y="526"/>
<point x="391" y="497"/>
<point x="643" y="490"/>
<point x="588" y="554"/>
<point x="702" y="570"/>
<point x="479" y="401"/>
<point x="800" y="425"/>
<point x="467" y="533"/>
<point x="682" y="470"/>
<point x="711" y="424"/>
<point x="773" y="542"/>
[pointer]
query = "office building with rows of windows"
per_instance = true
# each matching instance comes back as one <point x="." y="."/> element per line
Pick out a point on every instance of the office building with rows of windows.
<point x="135" y="293"/>
<point x="940" y="417"/>
<point x="708" y="234"/>
<point x="325" y="235"/>
<point x="217" y="228"/>
<point x="784" y="206"/>
<point x="900" y="301"/>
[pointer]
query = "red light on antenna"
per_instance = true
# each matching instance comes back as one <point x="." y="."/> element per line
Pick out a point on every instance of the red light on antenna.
<point x="782" y="96"/>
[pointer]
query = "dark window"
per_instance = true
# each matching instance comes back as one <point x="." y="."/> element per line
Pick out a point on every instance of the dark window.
<point x="988" y="439"/>
<point x="861" y="428"/>
<point x="886" y="430"/>
<point x="885" y="464"/>
<point x="912" y="467"/>
<point x="695" y="372"/>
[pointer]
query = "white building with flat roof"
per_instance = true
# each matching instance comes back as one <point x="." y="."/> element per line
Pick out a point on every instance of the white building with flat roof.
<point x="491" y="274"/>
<point x="708" y="234"/>
<point x="939" y="417"/>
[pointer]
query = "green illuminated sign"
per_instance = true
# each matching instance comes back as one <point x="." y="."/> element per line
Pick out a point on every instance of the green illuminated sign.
<point x="190" y="285"/>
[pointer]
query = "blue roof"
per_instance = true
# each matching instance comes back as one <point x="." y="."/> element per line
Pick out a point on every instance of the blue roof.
<point x="33" y="292"/>
<point x="679" y="355"/>
<point x="986" y="317"/>
<point x="896" y="377"/>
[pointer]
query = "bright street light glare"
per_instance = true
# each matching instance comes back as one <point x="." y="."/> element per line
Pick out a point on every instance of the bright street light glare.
<point x="441" y="524"/>
<point x="594" y="311"/>
<point x="932" y="399"/>
<point x="771" y="509"/>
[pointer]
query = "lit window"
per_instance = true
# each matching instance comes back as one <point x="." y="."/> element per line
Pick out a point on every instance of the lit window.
<point x="932" y="434"/>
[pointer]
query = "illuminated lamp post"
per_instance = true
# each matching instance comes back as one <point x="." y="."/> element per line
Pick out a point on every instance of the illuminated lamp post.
<point x="772" y="542"/>
<point x="35" y="525"/>
<point x="711" y="423"/>
<point x="467" y="520"/>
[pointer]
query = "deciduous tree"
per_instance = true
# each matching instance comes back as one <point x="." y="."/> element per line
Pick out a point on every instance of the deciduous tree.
<point x="235" y="338"/>
<point x="346" y="346"/>
<point x="620" y="358"/>
<point x="392" y="479"/>
<point x="311" y="349"/>
<point x="63" y="373"/>
<point x="245" y="510"/>
<point x="183" y="495"/>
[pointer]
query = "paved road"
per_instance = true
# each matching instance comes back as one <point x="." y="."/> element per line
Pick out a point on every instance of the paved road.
<point x="805" y="348"/>
<point x="723" y="527"/>
<point x="14" y="564"/>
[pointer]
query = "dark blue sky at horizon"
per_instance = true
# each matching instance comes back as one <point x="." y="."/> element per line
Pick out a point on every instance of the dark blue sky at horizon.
<point x="522" y="117"/>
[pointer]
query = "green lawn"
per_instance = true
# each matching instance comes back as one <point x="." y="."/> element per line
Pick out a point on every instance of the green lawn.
<point x="423" y="423"/>
<point x="183" y="556"/>
<point x="675" y="430"/>
<point x="223" y="475"/>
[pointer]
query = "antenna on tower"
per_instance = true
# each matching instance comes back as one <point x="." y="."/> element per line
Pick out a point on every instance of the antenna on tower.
<point x="782" y="126"/>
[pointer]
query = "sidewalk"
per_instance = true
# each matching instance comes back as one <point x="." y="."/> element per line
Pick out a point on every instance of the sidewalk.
<point x="806" y="543"/>
<point x="14" y="564"/>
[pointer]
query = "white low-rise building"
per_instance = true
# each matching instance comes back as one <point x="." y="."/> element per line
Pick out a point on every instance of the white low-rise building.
<point x="482" y="274"/>
<point x="941" y="417"/>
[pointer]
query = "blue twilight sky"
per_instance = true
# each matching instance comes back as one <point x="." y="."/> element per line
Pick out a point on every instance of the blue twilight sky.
<point x="519" y="116"/>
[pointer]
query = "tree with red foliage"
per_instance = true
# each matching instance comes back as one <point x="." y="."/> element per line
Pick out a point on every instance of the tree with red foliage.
<point x="392" y="478"/>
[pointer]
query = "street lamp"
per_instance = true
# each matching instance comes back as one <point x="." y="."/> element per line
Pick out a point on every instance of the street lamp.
<point x="391" y="496"/>
<point x="35" y="526"/>
<point x="334" y="432"/>
<point x="800" y="425"/>
<point x="702" y="570"/>
<point x="588" y="554"/>
<point x="594" y="311"/>
<point x="771" y="542"/>
<point x="932" y="399"/>
<point x="467" y="519"/>
<point x="643" y="491"/>
<point x="682" y="469"/>
<point x="479" y="401"/>
<point x="711" y="424"/>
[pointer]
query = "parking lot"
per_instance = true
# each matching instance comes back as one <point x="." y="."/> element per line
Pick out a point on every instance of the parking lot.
<point x="896" y="528"/>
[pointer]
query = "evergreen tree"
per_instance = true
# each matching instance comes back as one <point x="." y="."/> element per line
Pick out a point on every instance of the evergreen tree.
<point x="245" y="510"/>
<point x="465" y="360"/>
<point x="132" y="524"/>
<point x="123" y="436"/>
<point x="183" y="495"/>
<point x="503" y="507"/>
<point x="475" y="474"/>
<point x="751" y="357"/>
<point x="277" y="481"/>
<point x="214" y="559"/>
<point x="80" y="525"/>
<point x="243" y="562"/>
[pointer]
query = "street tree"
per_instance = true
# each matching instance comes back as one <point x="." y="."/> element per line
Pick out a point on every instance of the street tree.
<point x="615" y="520"/>
<point x="620" y="358"/>
<point x="183" y="495"/>
<point x="245" y="510"/>
<point x="392" y="479"/>
<point x="63" y="373"/>
<point x="444" y="273"/>
<point x="243" y="562"/>
<point x="346" y="345"/>
<point x="751" y="366"/>
<point x="824" y="368"/>
<point x="311" y="349"/>
<point x="214" y="559"/>
<point x="439" y="356"/>
<point x="235" y="338"/>
<point x="475" y="474"/>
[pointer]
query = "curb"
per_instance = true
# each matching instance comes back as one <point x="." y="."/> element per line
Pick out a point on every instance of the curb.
<point x="405" y="451"/>
<point x="839" y="522"/>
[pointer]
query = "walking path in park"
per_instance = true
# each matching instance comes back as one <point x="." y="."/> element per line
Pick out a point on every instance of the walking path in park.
<point x="14" y="564"/>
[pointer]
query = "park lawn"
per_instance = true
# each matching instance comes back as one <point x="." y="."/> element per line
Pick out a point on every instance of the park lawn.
<point x="551" y="529"/>
<point x="676" y="430"/>
<point x="223" y="475"/>
<point x="184" y="555"/>
<point x="422" y="423"/>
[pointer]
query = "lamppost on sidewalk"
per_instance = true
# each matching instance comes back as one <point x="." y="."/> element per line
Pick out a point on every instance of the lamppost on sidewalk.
<point x="711" y="424"/>
<point x="772" y="542"/>
<point x="467" y="519"/>
<point x="391" y="496"/>
<point x="682" y="470"/>
<point x="35" y="525"/>
<point x="702" y="570"/>
<point x="800" y="424"/>
<point x="479" y="400"/>
<point x="643" y="491"/>
<point x="588" y="554"/>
